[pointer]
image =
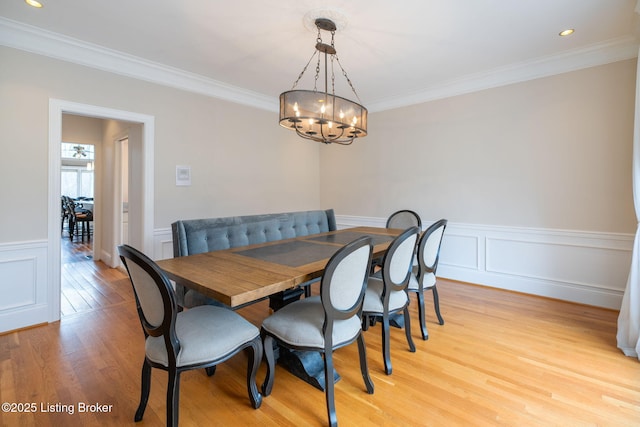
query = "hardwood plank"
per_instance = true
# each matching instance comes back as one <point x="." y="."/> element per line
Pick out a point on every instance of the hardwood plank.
<point x="85" y="284"/>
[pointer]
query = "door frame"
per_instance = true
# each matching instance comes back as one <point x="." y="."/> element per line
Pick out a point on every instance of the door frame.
<point x="57" y="108"/>
<point x="117" y="196"/>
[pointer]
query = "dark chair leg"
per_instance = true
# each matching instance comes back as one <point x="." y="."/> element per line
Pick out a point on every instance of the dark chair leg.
<point x="267" y="386"/>
<point x="423" y="325"/>
<point x="365" y="323"/>
<point x="407" y="330"/>
<point x="255" y="356"/>
<point x="210" y="370"/>
<point x="386" y="352"/>
<point x="364" y="368"/>
<point x="144" y="393"/>
<point x="72" y="224"/>
<point x="436" y="304"/>
<point x="330" y="387"/>
<point x="173" y="397"/>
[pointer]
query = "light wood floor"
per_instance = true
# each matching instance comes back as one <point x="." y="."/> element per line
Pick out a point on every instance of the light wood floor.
<point x="502" y="358"/>
<point x="86" y="285"/>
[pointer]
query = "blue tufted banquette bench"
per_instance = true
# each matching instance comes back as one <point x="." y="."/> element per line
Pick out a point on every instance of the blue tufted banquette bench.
<point x="196" y="236"/>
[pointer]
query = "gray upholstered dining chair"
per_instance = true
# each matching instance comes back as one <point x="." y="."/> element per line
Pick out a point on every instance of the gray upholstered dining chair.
<point x="386" y="292"/>
<point x="325" y="322"/>
<point x="201" y="337"/>
<point x="424" y="274"/>
<point x="402" y="219"/>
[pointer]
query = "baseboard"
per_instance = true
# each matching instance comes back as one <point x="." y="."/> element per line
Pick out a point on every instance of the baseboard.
<point x="584" y="267"/>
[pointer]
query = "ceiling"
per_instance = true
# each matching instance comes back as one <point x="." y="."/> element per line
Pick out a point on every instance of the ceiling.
<point x="395" y="53"/>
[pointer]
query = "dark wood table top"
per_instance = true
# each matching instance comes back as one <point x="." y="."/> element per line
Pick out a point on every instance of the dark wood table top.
<point x="249" y="273"/>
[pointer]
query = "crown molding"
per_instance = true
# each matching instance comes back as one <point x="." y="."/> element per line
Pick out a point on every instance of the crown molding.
<point x="36" y="40"/>
<point x="42" y="42"/>
<point x="614" y="50"/>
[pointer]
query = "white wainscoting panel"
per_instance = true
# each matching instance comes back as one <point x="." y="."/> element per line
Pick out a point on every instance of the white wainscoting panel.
<point x="23" y="285"/>
<point x="162" y="243"/>
<point x="463" y="251"/>
<point x="583" y="267"/>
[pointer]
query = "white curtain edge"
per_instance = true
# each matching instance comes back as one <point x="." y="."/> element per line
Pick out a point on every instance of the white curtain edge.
<point x="628" y="334"/>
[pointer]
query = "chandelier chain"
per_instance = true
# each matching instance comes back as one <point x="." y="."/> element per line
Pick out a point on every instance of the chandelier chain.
<point x="303" y="70"/>
<point x="333" y="74"/>
<point x="333" y="78"/>
<point x="318" y="42"/>
<point x="344" y="73"/>
<point x="315" y="82"/>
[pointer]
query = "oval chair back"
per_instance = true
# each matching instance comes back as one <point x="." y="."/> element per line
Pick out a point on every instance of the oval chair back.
<point x="425" y="278"/>
<point x="404" y="219"/>
<point x="397" y="261"/>
<point x="343" y="284"/>
<point x="429" y="247"/>
<point x="154" y="295"/>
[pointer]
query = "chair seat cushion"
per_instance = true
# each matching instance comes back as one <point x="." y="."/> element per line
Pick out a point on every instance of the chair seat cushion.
<point x="206" y="333"/>
<point x="299" y="324"/>
<point x="429" y="282"/>
<point x="373" y="300"/>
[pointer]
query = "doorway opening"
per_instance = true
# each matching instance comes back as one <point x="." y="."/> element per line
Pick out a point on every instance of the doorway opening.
<point x="107" y="201"/>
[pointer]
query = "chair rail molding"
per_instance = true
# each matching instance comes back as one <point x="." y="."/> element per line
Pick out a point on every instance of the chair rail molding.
<point x="583" y="267"/>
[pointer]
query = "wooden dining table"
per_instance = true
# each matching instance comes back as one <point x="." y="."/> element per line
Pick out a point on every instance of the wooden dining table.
<point x="246" y="274"/>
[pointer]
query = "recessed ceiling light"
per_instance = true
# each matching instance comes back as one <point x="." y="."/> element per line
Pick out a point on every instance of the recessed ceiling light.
<point x="566" y="32"/>
<point x="33" y="3"/>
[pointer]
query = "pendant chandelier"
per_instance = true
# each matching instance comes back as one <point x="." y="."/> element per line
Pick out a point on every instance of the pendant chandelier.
<point x="323" y="116"/>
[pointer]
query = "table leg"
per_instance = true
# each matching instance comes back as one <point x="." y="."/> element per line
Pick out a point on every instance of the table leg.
<point x="279" y="300"/>
<point x="306" y="365"/>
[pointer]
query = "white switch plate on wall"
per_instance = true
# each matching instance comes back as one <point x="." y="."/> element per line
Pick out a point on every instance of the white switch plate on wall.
<point x="183" y="175"/>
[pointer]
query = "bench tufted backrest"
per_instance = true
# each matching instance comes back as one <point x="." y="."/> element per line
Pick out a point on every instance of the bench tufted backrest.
<point x="196" y="236"/>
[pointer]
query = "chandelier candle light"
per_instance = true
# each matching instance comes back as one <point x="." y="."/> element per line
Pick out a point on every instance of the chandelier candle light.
<point x="323" y="116"/>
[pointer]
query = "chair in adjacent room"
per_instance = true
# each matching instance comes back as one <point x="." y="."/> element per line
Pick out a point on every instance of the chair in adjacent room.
<point x="201" y="337"/>
<point x="78" y="215"/>
<point x="64" y="215"/>
<point x="327" y="321"/>
<point x="424" y="275"/>
<point x="386" y="293"/>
